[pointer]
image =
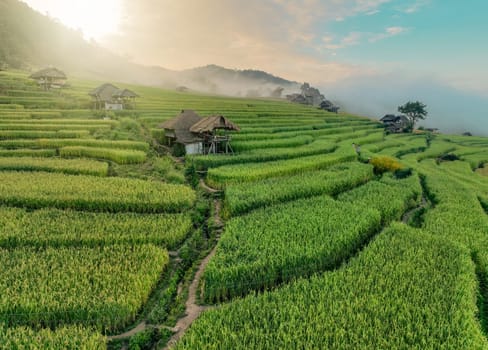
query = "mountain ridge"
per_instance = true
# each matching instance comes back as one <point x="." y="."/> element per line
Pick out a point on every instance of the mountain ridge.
<point x="24" y="46"/>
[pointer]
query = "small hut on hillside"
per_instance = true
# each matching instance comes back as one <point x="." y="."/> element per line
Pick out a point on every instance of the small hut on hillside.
<point x="49" y="78"/>
<point x="198" y="135"/>
<point x="396" y="123"/>
<point x="328" y="106"/>
<point x="177" y="132"/>
<point x="110" y="97"/>
<point x="208" y="128"/>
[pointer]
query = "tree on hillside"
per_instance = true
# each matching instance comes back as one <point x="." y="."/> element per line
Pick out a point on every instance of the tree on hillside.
<point x="414" y="111"/>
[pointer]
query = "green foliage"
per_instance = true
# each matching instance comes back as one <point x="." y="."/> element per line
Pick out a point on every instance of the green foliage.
<point x="414" y="110"/>
<point x="116" y="155"/>
<point x="32" y="134"/>
<point x="58" y="143"/>
<point x="240" y="198"/>
<point x="64" y="337"/>
<point x="389" y="196"/>
<point x="104" y="287"/>
<point x="27" y="152"/>
<point x="219" y="177"/>
<point x="384" y="164"/>
<point x="191" y="175"/>
<point x="263" y="155"/>
<point x="143" y="340"/>
<point x="61" y="191"/>
<point x="283" y="242"/>
<point x="53" y="227"/>
<point x="240" y="146"/>
<point x="407" y="289"/>
<point x="72" y="166"/>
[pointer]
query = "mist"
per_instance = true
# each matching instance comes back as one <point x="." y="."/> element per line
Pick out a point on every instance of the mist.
<point x="449" y="109"/>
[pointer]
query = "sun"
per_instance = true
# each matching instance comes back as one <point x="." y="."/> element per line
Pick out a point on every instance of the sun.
<point x="95" y="18"/>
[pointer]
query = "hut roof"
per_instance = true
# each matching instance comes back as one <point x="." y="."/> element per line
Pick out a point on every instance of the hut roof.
<point x="104" y="92"/>
<point x="213" y="122"/>
<point x="48" y="73"/>
<point x="124" y="93"/>
<point x="389" y="118"/>
<point x="181" y="125"/>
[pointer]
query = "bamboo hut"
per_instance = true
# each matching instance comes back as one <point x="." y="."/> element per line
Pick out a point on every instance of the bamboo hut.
<point x="110" y="97"/>
<point x="199" y="135"/>
<point x="208" y="130"/>
<point x="49" y="78"/>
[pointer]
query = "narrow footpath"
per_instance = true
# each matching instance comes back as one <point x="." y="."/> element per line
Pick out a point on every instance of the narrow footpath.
<point x="193" y="310"/>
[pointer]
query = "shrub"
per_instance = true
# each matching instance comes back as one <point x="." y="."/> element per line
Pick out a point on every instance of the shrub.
<point x="383" y="164"/>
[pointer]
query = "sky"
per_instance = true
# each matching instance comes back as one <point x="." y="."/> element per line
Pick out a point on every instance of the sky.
<point x="330" y="43"/>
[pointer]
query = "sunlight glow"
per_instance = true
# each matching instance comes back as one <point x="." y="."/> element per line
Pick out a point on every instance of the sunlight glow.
<point x="95" y="18"/>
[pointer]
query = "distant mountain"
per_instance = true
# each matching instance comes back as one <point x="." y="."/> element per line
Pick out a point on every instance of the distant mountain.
<point x="216" y="79"/>
<point x="30" y="40"/>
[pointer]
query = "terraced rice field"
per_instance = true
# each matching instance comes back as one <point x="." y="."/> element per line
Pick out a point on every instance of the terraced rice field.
<point x="304" y="245"/>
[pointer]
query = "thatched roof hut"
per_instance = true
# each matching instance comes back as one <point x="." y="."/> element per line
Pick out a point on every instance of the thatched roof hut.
<point x="49" y="78"/>
<point x="112" y="97"/>
<point x="214" y="122"/>
<point x="178" y="128"/>
<point x="198" y="135"/>
<point x="49" y="73"/>
<point x="125" y="93"/>
<point x="395" y="123"/>
<point x="104" y="92"/>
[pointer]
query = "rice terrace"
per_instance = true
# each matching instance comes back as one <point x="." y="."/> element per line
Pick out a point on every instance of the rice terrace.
<point x="148" y="216"/>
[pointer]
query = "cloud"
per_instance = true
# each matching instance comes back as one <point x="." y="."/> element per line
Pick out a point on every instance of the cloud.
<point x="389" y="32"/>
<point x="451" y="109"/>
<point x="356" y="38"/>
<point x="415" y="7"/>
<point x="351" y="39"/>
<point x="274" y="35"/>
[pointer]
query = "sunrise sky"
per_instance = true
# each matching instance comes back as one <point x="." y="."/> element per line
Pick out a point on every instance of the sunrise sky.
<point x="326" y="42"/>
<point x="323" y="40"/>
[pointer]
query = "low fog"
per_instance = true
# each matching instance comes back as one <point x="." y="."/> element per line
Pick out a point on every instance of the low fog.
<point x="450" y="110"/>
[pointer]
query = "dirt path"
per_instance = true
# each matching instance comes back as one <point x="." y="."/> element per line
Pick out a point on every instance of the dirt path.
<point x="207" y="188"/>
<point x="193" y="310"/>
<point x="408" y="215"/>
<point x="139" y="328"/>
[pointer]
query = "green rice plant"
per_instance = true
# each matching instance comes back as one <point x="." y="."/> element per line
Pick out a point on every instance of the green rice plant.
<point x="458" y="214"/>
<point x="55" y="228"/>
<point x="220" y="177"/>
<point x="103" y="287"/>
<point x="64" y="337"/>
<point x="283" y="242"/>
<point x="240" y="146"/>
<point x="59" y="143"/>
<point x="241" y="198"/>
<point x="262" y="155"/>
<point x="55" y="127"/>
<point x="406" y="290"/>
<point x="437" y="148"/>
<point x="38" y="190"/>
<point x="391" y="197"/>
<point x="476" y="160"/>
<point x="25" y="152"/>
<point x="70" y="166"/>
<point x="13" y="116"/>
<point x="33" y="134"/>
<point x="119" y="156"/>
<point x="48" y="122"/>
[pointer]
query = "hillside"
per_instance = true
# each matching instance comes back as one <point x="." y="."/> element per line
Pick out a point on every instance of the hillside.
<point x="106" y="239"/>
<point x="31" y="40"/>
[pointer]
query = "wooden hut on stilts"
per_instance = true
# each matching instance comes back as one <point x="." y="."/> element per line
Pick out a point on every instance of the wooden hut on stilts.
<point x="191" y="134"/>
<point x="209" y="130"/>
